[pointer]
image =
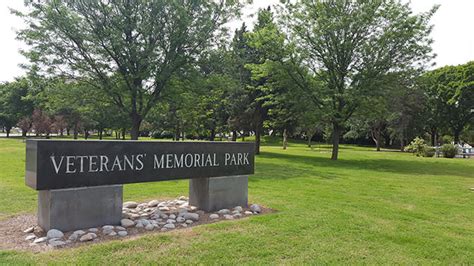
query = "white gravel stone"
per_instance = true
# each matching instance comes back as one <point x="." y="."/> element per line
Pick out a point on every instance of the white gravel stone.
<point x="153" y="203"/>
<point x="88" y="237"/>
<point x="180" y="220"/>
<point x="120" y="228"/>
<point x="29" y="230"/>
<point x="79" y="232"/>
<point x="224" y="211"/>
<point x="169" y="226"/>
<point x="127" y="223"/>
<point x="122" y="233"/>
<point x="214" y="216"/>
<point x="172" y="216"/>
<point x="93" y="230"/>
<point x="139" y="225"/>
<point x="164" y="208"/>
<point x="255" y="208"/>
<point x="191" y="216"/>
<point x="238" y="208"/>
<point x="170" y="221"/>
<point x="30" y="237"/>
<point x="189" y="221"/>
<point x="54" y="233"/>
<point x="107" y="231"/>
<point x="40" y="240"/>
<point x="228" y="217"/>
<point x="130" y="204"/>
<point x="248" y="213"/>
<point x="237" y="215"/>
<point x="235" y="212"/>
<point x="113" y="233"/>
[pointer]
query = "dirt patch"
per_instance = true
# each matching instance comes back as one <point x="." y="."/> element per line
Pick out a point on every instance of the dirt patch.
<point x="12" y="236"/>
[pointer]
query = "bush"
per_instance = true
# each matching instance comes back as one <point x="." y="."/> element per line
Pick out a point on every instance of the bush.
<point x="428" y="151"/>
<point x="416" y="146"/>
<point x="449" y="150"/>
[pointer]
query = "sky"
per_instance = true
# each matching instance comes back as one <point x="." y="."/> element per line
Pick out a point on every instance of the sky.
<point x="453" y="32"/>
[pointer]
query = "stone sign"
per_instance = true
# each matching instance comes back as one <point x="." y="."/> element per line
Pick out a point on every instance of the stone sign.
<point x="55" y="164"/>
<point x="80" y="182"/>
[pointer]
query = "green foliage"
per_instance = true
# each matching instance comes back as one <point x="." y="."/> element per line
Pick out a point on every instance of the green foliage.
<point x="416" y="146"/>
<point x="428" y="151"/>
<point x="449" y="150"/>
<point x="354" y="44"/>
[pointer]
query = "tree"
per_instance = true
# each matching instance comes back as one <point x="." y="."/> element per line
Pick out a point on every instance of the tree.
<point x="14" y="103"/>
<point x="128" y="49"/>
<point x="451" y="91"/>
<point x="351" y="44"/>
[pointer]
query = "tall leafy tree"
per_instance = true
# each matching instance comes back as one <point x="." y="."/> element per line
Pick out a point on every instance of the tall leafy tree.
<point x="129" y="49"/>
<point x="451" y="90"/>
<point x="14" y="103"/>
<point x="351" y="44"/>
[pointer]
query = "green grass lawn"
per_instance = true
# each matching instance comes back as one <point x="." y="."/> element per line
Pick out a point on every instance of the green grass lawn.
<point x="368" y="207"/>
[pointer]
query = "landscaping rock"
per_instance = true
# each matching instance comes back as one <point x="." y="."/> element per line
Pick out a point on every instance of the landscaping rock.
<point x="113" y="233"/>
<point x="191" y="216"/>
<point x="120" y="228"/>
<point x="189" y="221"/>
<point x="238" y="208"/>
<point x="88" y="237"/>
<point x="57" y="243"/>
<point x="108" y="227"/>
<point x="130" y="204"/>
<point x="40" y="240"/>
<point x="54" y="233"/>
<point x="29" y="230"/>
<point x="255" y="208"/>
<point x="153" y="203"/>
<point x="122" y="233"/>
<point x="172" y="216"/>
<point x="127" y="223"/>
<point x="169" y="226"/>
<point x="79" y="232"/>
<point x="224" y="211"/>
<point x="93" y="230"/>
<point x="30" y="237"/>
<point x="149" y="227"/>
<point x="228" y="217"/>
<point x="248" y="213"/>
<point x="180" y="220"/>
<point x="214" y="216"/>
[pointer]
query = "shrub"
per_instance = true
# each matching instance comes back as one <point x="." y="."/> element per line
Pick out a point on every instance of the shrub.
<point x="416" y="146"/>
<point x="428" y="151"/>
<point x="449" y="150"/>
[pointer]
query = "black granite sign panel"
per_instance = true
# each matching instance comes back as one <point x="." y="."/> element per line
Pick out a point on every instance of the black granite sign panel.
<point x="56" y="164"/>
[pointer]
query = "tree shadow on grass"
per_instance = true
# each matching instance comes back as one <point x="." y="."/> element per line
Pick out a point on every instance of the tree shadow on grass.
<point x="305" y="165"/>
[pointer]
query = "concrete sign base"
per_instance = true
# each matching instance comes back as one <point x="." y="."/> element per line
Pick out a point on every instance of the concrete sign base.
<point x="215" y="193"/>
<point x="79" y="208"/>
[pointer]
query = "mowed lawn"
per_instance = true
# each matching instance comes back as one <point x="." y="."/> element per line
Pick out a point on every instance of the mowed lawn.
<point x="368" y="207"/>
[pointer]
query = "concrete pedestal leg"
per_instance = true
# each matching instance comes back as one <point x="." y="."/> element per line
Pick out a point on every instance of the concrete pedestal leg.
<point x="79" y="208"/>
<point x="215" y="193"/>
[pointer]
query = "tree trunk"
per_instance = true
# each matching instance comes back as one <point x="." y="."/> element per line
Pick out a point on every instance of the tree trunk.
<point x="456" y="134"/>
<point x="285" y="139"/>
<point x="68" y="132"/>
<point x="75" y="132"/>
<point x="212" y="136"/>
<point x="86" y="134"/>
<point x="100" y="134"/>
<point x="243" y="136"/>
<point x="234" y="135"/>
<point x="335" y="141"/>
<point x="23" y="133"/>
<point x="310" y="137"/>
<point x="376" y="137"/>
<point x="8" y="132"/>
<point x="434" y="133"/>
<point x="123" y="134"/>
<point x="136" y="122"/>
